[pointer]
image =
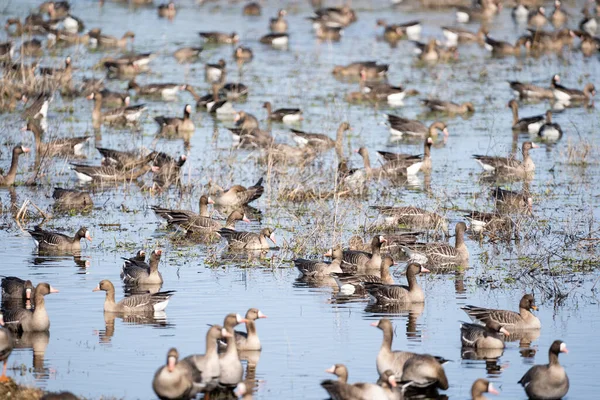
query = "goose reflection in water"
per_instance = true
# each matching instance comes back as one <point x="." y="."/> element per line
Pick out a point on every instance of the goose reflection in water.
<point x="38" y="342"/>
<point x="156" y="320"/>
<point x="412" y="312"/>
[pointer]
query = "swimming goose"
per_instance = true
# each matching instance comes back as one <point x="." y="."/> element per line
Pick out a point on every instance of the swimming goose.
<point x="500" y="48"/>
<point x="240" y="240"/>
<point x="121" y="115"/>
<point x="477" y="336"/>
<point x="235" y="91"/>
<point x="333" y="34"/>
<point x="509" y="165"/>
<point x="550" y="131"/>
<point x="341" y="389"/>
<point x="252" y="9"/>
<point x="237" y="195"/>
<point x="482" y="10"/>
<point x="279" y="24"/>
<point x="124" y="160"/>
<point x="9" y="178"/>
<point x="387" y="293"/>
<point x="22" y="320"/>
<point x="137" y="303"/>
<point x="70" y="198"/>
<point x="410" y="159"/>
<point x="549" y="381"/>
<point x="286" y="115"/>
<point x="481" y="386"/>
<point x="170" y="125"/>
<point x="113" y="99"/>
<point x="422" y="369"/>
<point x="510" y="320"/>
<point x="215" y="73"/>
<point x="56" y="147"/>
<point x="16" y="288"/>
<point x="321" y="142"/>
<point x="204" y="225"/>
<point x="456" y="35"/>
<point x="537" y="18"/>
<point x="135" y="273"/>
<point x="166" y="90"/>
<point x="207" y="364"/>
<point x="245" y="121"/>
<point x="559" y="16"/>
<point x="448" y="107"/>
<point x="351" y="283"/>
<point x="588" y="44"/>
<point x="187" y="54"/>
<point x="383" y="91"/>
<point x="248" y="341"/>
<point x="441" y="254"/>
<point x="413" y="217"/>
<point x="566" y="95"/>
<point x="363" y="260"/>
<point x="395" y="32"/>
<point x="31" y="47"/>
<point x="588" y="24"/>
<point x="99" y="39"/>
<point x="413" y="128"/>
<point x="230" y="366"/>
<point x="167" y="10"/>
<point x="169" y="214"/>
<point x="334" y="16"/>
<point x="530" y="91"/>
<point x="53" y="241"/>
<point x="220" y="38"/>
<point x="223" y="108"/>
<point x="102" y="173"/>
<point x="243" y="54"/>
<point x="275" y="39"/>
<point x="528" y="124"/>
<point x="432" y="52"/>
<point x="320" y="269"/>
<point x="370" y="69"/>
<point x="493" y="222"/>
<point x="509" y="200"/>
<point x="176" y="379"/>
<point x="7" y="343"/>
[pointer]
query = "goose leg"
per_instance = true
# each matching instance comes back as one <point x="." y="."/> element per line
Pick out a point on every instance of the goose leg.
<point x="3" y="377"/>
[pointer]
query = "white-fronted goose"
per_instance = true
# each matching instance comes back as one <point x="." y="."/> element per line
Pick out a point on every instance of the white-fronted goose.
<point x="449" y="107"/>
<point x="432" y="52"/>
<point x="275" y="39"/>
<point x="287" y="115"/>
<point x="412" y="128"/>
<point x="198" y="224"/>
<point x="140" y="274"/>
<point x="550" y="131"/>
<point x="167" y="10"/>
<point x="341" y="389"/>
<point x="414" y="217"/>
<point x="114" y="99"/>
<point x="528" y="124"/>
<point x="207" y="364"/>
<point x="333" y="34"/>
<point x="249" y="341"/>
<point x="489" y="336"/>
<point x="57" y="9"/>
<point x="385" y="293"/>
<point x="481" y="386"/>
<point x="282" y="153"/>
<point x="215" y="73"/>
<point x="394" y="32"/>
<point x="60" y="75"/>
<point x="243" y="54"/>
<point x="101" y="173"/>
<point x="422" y="369"/>
<point x="370" y="69"/>
<point x="441" y="254"/>
<point x="500" y="48"/>
<point x="222" y="108"/>
<point x="31" y="47"/>
<point x="489" y="222"/>
<point x="334" y="16"/>
<point x="509" y="165"/>
<point x="235" y="91"/>
<point x="279" y="24"/>
<point x="240" y="240"/>
<point x="484" y="10"/>
<point x="567" y="95"/>
<point x="363" y="260"/>
<point x="320" y="141"/>
<point x="246" y="121"/>
<point x="23" y="320"/>
<point x="456" y="35"/>
<point x="537" y="18"/>
<point x="187" y="54"/>
<point x="124" y="160"/>
<point x="166" y="90"/>
<point x="176" y="380"/>
<point x="170" y="125"/>
<point x="137" y="303"/>
<point x="424" y="161"/>
<point x="559" y="17"/>
<point x="169" y="214"/>
<point x="220" y="37"/>
<point x="510" y="320"/>
<point x="237" y="195"/>
<point x="6" y="347"/>
<point x="16" y="292"/>
<point x="252" y="9"/>
<point x="251" y="139"/>
<point x="351" y="283"/>
<point x="54" y="241"/>
<point x="56" y="147"/>
<point x="138" y="259"/>
<point x="9" y="178"/>
<point x="520" y="12"/>
<point x="39" y="107"/>
<point x="588" y="24"/>
<point x="119" y="115"/>
<point x="393" y="242"/>
<point x="549" y="381"/>
<point x="231" y="369"/>
<point x="99" y="39"/>
<point x="510" y="200"/>
<point x="320" y="269"/>
<point x="530" y="91"/>
<point x="72" y="198"/>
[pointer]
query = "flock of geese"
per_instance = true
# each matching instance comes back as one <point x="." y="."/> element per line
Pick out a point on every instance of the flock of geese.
<point x="362" y="270"/>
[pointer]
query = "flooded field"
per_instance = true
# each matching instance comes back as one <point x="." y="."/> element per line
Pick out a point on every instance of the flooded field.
<point x="309" y="327"/>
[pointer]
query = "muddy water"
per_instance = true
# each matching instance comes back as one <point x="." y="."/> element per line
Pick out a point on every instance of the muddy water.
<point x="307" y="328"/>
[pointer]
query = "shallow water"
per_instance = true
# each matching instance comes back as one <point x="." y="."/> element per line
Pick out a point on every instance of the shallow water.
<point x="307" y="330"/>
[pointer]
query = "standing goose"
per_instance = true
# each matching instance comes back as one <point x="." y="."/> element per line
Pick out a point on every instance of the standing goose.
<point x="320" y="269"/>
<point x="171" y="125"/>
<point x="413" y="128"/>
<point x="384" y="293"/>
<point x="137" y="303"/>
<point x="176" y="380"/>
<point x="249" y="341"/>
<point x="550" y="131"/>
<point x="23" y="320"/>
<point x="238" y="195"/>
<point x="240" y="240"/>
<point x="509" y="165"/>
<point x="215" y="73"/>
<point x="53" y="241"/>
<point x="320" y="141"/>
<point x="363" y="260"/>
<point x="448" y="106"/>
<point x="198" y="224"/>
<point x="9" y="178"/>
<point x="528" y="124"/>
<point x="223" y="108"/>
<point x="6" y="347"/>
<point x="231" y="369"/>
<point x="413" y="217"/>
<point x="510" y="320"/>
<point x="588" y="24"/>
<point x="441" y="254"/>
<point x="549" y="381"/>
<point x="279" y="24"/>
<point x="220" y="37"/>
<point x="558" y="17"/>
<point x="169" y="214"/>
<point x="63" y="147"/>
<point x="136" y="274"/>
<point x="342" y="390"/>
<point x="537" y="18"/>
<point x="481" y="386"/>
<point x="243" y="54"/>
<point x="350" y="283"/>
<point x="483" y="337"/>
<point x="422" y="369"/>
<point x="287" y="115"/>
<point x="207" y="364"/>
<point x="187" y="54"/>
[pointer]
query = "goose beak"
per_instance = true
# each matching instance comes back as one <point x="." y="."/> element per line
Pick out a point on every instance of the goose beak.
<point x="329" y="253"/>
<point x="246" y="220"/>
<point x="171" y="364"/>
<point x="374" y="324"/>
<point x="272" y="237"/>
<point x="225" y="334"/>
<point x="88" y="236"/>
<point x="331" y="370"/>
<point x="26" y="149"/>
<point x="96" y="289"/>
<point x="492" y="389"/>
<point x="534" y="308"/>
<point x="261" y="315"/>
<point x="424" y="270"/>
<point x="52" y="290"/>
<point x="446" y="132"/>
<point x="28" y="294"/>
<point x="502" y="330"/>
<point x="392" y="381"/>
<point x="211" y="201"/>
<point x="534" y="146"/>
<point x="563" y="348"/>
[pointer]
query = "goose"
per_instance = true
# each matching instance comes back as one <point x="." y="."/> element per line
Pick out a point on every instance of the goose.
<point x="22" y="320"/>
<point x="275" y="39"/>
<point x="566" y="95"/>
<point x="384" y="91"/>
<point x="333" y="34"/>
<point x="215" y="73"/>
<point x="235" y="91"/>
<point x="114" y="99"/>
<point x="279" y="24"/>
<point x="341" y="389"/>
<point x="441" y="254"/>
<point x="237" y="195"/>
<point x="404" y="167"/>
<point x="240" y="240"/>
<point x="351" y="284"/>
<point x="588" y="24"/>
<point x="9" y="178"/>
<point x="370" y="69"/>
<point x="245" y="121"/>
<point x="134" y="273"/>
<point x="187" y="54"/>
<point x="207" y="364"/>
<point x="550" y="131"/>
<point x="412" y="128"/>
<point x="139" y="258"/>
<point x="510" y="320"/>
<point x="56" y="147"/>
<point x="169" y="125"/>
<point x="286" y="115"/>
<point x="483" y="337"/>
<point x="39" y="107"/>
<point x="230" y="366"/>
<point x="176" y="379"/>
<point x="393" y="242"/>
<point x="31" y="47"/>
<point x="363" y="260"/>
<point x="334" y="16"/>
<point x="387" y="293"/>
<point x="423" y="161"/>
<point x="124" y="160"/>
<point x="252" y="9"/>
<point x="549" y="381"/>
<point x="393" y="32"/>
<point x="448" y="106"/>
<point x="169" y="214"/>
<point x="54" y="241"/>
<point x="60" y="75"/>
<point x="7" y="342"/>
<point x="484" y="10"/>
<point x="166" y="90"/>
<point x="422" y="369"/>
<point x="281" y="153"/>
<point x="121" y="115"/>
<point x="99" y="39"/>
<point x="537" y="18"/>
<point x="167" y="10"/>
<point x="70" y="198"/>
<point x="520" y="12"/>
<point x="489" y="222"/>
<point x="222" y="108"/>
<point x="7" y="51"/>
<point x="413" y="217"/>
<point x="243" y="54"/>
<point x="319" y="269"/>
<point x="251" y="139"/>
<point x="509" y="200"/>
<point x="204" y="225"/>
<point x="559" y="17"/>
<point x="137" y="303"/>
<point x="509" y="165"/>
<point x="456" y="35"/>
<point x="530" y="91"/>
<point x="500" y="48"/>
<point x="528" y="124"/>
<point x="248" y="341"/>
<point x="481" y="386"/>
<point x="220" y="37"/>
<point x="320" y="141"/>
<point x="101" y="173"/>
<point x="16" y="288"/>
